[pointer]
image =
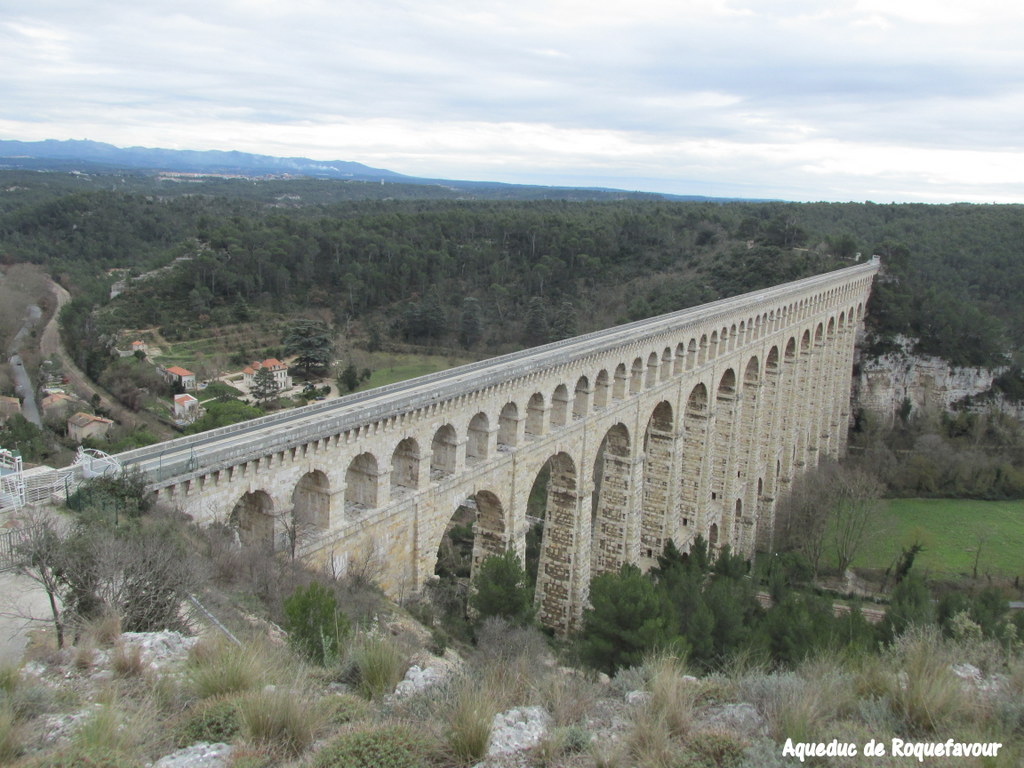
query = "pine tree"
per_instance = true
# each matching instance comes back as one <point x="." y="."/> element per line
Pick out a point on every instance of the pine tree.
<point x="471" y="327"/>
<point x="263" y="385"/>
<point x="310" y="342"/>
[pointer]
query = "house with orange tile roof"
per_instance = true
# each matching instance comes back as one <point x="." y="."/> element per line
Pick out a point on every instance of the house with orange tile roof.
<point x="82" y="426"/>
<point x="180" y="376"/>
<point x="279" y="369"/>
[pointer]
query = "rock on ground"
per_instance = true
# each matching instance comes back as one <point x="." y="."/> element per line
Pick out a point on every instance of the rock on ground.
<point x="517" y="730"/>
<point x="200" y="755"/>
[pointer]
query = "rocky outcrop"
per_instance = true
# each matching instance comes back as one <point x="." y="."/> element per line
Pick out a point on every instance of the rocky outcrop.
<point x="884" y="384"/>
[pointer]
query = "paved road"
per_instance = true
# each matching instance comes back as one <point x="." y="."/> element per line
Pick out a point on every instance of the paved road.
<point x="22" y="381"/>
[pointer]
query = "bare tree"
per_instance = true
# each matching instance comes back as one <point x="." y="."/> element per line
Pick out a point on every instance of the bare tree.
<point x="802" y="516"/>
<point x="856" y="496"/>
<point x="41" y="556"/>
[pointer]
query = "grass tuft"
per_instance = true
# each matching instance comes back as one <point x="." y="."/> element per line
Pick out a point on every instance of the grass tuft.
<point x="378" y="662"/>
<point x="278" y="720"/>
<point x="469" y="721"/>
<point x="219" y="668"/>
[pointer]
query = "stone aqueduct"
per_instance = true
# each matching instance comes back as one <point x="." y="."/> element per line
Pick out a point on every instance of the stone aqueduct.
<point x="689" y="423"/>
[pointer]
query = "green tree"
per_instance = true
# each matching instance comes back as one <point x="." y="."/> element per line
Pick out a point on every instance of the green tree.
<point x="628" y="618"/>
<point x="314" y="623"/>
<point x="310" y="342"/>
<point x="221" y="414"/>
<point x="471" y="326"/>
<point x="501" y="589"/>
<point x="348" y="379"/>
<point x="263" y="385"/>
<point x="536" y="329"/>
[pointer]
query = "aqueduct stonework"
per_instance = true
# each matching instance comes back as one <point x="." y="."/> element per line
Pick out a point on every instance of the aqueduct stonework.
<point x="688" y="423"/>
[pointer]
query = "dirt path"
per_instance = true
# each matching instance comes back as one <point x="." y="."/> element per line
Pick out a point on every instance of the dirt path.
<point x="50" y="346"/>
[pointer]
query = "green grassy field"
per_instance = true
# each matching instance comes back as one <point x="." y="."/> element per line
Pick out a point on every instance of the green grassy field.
<point x="951" y="531"/>
<point x="389" y="368"/>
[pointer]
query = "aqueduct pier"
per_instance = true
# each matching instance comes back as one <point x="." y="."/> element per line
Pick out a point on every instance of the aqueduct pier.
<point x="689" y="423"/>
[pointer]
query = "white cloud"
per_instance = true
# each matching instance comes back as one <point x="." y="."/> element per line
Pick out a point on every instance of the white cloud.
<point x="845" y="100"/>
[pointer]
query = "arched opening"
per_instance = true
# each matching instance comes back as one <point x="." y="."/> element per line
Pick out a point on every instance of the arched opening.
<point x="311" y="503"/>
<point x="474" y="532"/>
<point x="476" y="438"/>
<point x="691" y="354"/>
<point x="535" y="416"/>
<point x="253" y="518"/>
<point x="665" y="371"/>
<point x="659" y="443"/>
<point x="713" y="538"/>
<point x="601" y="390"/>
<point x="732" y="338"/>
<point x="580" y="398"/>
<point x="560" y="406"/>
<point x="702" y="352"/>
<point x="443" y="450"/>
<point x="680" y="359"/>
<point x="615" y="531"/>
<point x="405" y="468"/>
<point x="361" y="485"/>
<point x="619" y="385"/>
<point x="636" y="377"/>
<point x="562" y="570"/>
<point x="508" y="427"/>
<point x="713" y="346"/>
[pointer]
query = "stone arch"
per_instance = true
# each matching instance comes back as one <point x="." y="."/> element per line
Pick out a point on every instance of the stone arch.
<point x="560" y="406"/>
<point x="830" y="332"/>
<point x="508" y="427"/>
<point x="615" y="530"/>
<point x="702" y="354"/>
<point x="680" y="359"/>
<point x="581" y="398"/>
<point x="601" y="390"/>
<point x="743" y="332"/>
<point x="659" y="450"/>
<point x="732" y="337"/>
<point x="713" y="346"/>
<point x="535" y="416"/>
<point x="443" y="451"/>
<point x="619" y="385"/>
<point x="477" y="437"/>
<point x="752" y="373"/>
<point x="712" y="537"/>
<point x="475" y="531"/>
<point x="253" y="518"/>
<point x="819" y="333"/>
<point x="311" y="501"/>
<point x="691" y="354"/>
<point x="405" y="468"/>
<point x="563" y="573"/>
<point x="665" y="371"/>
<point x="361" y="484"/>
<point x="636" y="376"/>
<point x="652" y="370"/>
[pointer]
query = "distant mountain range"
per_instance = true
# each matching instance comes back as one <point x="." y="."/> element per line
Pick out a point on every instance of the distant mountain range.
<point x="96" y="157"/>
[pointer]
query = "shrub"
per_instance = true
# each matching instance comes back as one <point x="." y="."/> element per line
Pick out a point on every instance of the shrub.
<point x="214" y="720"/>
<point x="711" y="749"/>
<point x="386" y="746"/>
<point x="344" y="708"/>
<point x="926" y="695"/>
<point x="314" y="624"/>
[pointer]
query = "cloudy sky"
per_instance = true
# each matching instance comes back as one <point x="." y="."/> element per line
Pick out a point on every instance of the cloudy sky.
<point x="884" y="100"/>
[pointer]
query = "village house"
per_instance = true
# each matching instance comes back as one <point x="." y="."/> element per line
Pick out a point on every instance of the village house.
<point x="180" y="376"/>
<point x="82" y="426"/>
<point x="8" y="407"/>
<point x="279" y="369"/>
<point x="139" y="346"/>
<point x="186" y="408"/>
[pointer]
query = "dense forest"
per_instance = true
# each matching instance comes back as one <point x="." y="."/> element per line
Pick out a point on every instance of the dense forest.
<point x="492" y="275"/>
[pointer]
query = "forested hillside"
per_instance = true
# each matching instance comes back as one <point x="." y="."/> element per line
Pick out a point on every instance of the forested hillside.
<point x="492" y="275"/>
